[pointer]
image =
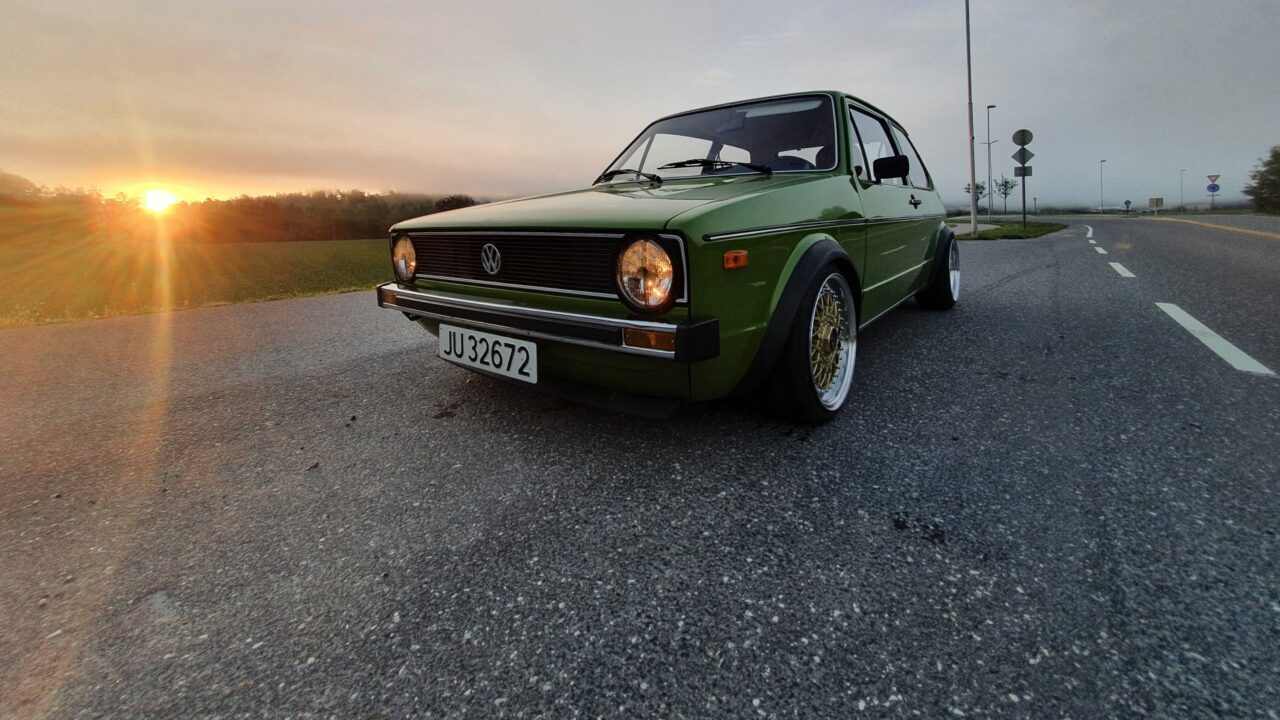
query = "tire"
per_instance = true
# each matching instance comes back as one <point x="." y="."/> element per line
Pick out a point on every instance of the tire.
<point x="812" y="378"/>
<point x="943" y="290"/>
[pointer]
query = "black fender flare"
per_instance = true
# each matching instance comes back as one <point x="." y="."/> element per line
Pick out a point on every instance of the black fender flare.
<point x="947" y="233"/>
<point x="818" y="256"/>
<point x="939" y="260"/>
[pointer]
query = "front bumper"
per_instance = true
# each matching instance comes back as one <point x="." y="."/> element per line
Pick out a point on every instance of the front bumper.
<point x="688" y="342"/>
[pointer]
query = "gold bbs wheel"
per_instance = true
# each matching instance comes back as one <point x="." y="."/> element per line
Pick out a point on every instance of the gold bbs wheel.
<point x="833" y="340"/>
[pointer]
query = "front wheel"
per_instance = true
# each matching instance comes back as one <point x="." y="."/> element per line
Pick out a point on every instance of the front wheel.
<point x="811" y="382"/>
<point x="943" y="290"/>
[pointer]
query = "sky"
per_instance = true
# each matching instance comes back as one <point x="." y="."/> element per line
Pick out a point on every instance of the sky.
<point x="500" y="99"/>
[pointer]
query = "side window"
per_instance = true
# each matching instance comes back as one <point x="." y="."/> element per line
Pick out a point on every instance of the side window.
<point x="919" y="176"/>
<point x="857" y="160"/>
<point x="875" y="142"/>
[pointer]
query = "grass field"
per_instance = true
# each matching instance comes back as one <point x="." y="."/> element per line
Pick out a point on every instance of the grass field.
<point x="1013" y="231"/>
<point x="59" y="281"/>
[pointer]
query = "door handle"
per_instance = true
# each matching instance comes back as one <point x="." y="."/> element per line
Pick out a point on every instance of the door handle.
<point x="914" y="202"/>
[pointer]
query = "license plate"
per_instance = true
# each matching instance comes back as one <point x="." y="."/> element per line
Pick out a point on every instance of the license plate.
<point x="508" y="357"/>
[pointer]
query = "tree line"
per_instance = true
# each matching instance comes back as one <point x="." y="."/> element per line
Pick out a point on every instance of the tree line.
<point x="318" y="215"/>
<point x="36" y="212"/>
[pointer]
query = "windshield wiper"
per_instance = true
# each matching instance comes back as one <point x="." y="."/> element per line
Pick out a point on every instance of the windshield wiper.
<point x="627" y="171"/>
<point x="707" y="162"/>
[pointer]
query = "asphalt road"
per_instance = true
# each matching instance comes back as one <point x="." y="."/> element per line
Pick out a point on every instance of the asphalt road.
<point x="1052" y="501"/>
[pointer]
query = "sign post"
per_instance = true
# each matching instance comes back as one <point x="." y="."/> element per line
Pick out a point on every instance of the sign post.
<point x="1213" y="189"/>
<point x="1154" y="204"/>
<point x="1022" y="139"/>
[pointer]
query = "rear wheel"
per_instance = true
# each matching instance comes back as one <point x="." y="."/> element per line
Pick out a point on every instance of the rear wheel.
<point x="943" y="290"/>
<point x="811" y="382"/>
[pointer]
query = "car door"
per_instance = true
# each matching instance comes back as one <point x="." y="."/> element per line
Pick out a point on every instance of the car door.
<point x="928" y="205"/>
<point x="893" y="226"/>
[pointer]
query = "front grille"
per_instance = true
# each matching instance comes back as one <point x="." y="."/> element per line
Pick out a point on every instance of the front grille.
<point x="578" y="264"/>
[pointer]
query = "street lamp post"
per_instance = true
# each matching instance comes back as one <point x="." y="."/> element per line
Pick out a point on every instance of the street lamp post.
<point x="973" y="171"/>
<point x="1182" y="203"/>
<point x="990" y="190"/>
<point x="1101" y="198"/>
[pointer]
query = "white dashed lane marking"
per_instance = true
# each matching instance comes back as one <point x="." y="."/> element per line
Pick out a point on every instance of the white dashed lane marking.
<point x="1100" y="250"/>
<point x="1124" y="271"/>
<point x="1089" y="231"/>
<point x="1215" y="342"/>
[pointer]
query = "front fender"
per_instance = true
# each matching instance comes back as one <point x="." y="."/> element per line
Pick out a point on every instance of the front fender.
<point x="811" y="254"/>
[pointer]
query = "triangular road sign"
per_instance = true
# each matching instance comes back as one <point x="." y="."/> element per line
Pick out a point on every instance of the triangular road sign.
<point x="1023" y="156"/>
<point x="1214" y="178"/>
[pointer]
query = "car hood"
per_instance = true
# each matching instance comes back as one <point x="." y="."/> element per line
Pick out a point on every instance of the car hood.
<point x="621" y="206"/>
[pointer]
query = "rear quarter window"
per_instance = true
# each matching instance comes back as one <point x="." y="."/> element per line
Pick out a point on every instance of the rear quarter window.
<point x="919" y="176"/>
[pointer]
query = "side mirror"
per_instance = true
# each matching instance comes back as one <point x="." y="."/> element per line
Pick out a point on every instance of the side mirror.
<point x="887" y="168"/>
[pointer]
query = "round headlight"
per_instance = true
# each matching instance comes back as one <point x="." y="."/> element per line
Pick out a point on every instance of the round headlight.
<point x="645" y="275"/>
<point x="403" y="259"/>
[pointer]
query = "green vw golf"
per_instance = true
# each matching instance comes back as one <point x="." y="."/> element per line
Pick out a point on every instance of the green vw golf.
<point x="725" y="249"/>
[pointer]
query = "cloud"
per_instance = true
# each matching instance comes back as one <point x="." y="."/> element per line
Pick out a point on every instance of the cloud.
<point x="714" y="76"/>
<point x="770" y="41"/>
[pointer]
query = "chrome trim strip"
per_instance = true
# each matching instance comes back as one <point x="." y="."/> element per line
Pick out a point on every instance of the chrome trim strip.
<point x="684" y="263"/>
<point x="835" y="129"/>
<point x="886" y="311"/>
<point x="509" y="233"/>
<point x="614" y="323"/>
<point x="538" y="313"/>
<point x="818" y="224"/>
<point x="895" y="277"/>
<point x="782" y="228"/>
<point x="490" y="283"/>
<point x="903" y="218"/>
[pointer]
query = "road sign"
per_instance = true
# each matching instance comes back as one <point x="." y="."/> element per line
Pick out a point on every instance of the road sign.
<point x="1213" y="187"/>
<point x="1214" y="178"/>
<point x="1155" y="203"/>
<point x="1127" y="203"/>
<point x="1022" y="138"/>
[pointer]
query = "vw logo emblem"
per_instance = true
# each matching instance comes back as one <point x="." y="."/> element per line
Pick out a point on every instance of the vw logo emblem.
<point x="491" y="258"/>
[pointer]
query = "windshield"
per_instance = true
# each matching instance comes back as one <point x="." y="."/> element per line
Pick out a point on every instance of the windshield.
<point x="788" y="135"/>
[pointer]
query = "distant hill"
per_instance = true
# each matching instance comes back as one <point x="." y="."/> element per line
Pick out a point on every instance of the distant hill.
<point x="11" y="184"/>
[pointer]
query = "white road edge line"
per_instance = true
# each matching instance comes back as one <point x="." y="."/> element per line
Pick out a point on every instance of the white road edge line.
<point x="1100" y="250"/>
<point x="1088" y="234"/>
<point x="1215" y="342"/>
<point x="1124" y="271"/>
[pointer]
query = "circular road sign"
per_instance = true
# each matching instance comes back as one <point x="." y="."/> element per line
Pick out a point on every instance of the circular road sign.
<point x="1022" y="137"/>
<point x="1213" y="187"/>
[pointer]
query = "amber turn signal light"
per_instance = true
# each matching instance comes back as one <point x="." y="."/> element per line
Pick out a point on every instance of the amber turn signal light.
<point x="735" y="259"/>
<point x="650" y="339"/>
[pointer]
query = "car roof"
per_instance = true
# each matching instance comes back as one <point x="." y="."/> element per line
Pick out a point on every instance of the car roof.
<point x="831" y="93"/>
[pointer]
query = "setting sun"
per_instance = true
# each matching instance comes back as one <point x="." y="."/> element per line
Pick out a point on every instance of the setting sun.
<point x="158" y="200"/>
